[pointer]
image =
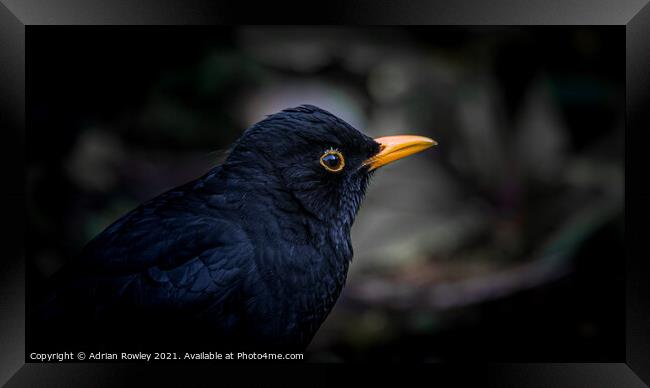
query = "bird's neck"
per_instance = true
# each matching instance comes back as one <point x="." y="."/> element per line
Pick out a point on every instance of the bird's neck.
<point x="265" y="206"/>
<point x="262" y="189"/>
<point x="315" y="252"/>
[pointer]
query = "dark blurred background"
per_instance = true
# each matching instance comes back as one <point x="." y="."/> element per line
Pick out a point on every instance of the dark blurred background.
<point x="504" y="243"/>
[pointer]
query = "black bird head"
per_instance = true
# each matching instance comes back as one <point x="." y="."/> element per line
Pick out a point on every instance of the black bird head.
<point x="321" y="160"/>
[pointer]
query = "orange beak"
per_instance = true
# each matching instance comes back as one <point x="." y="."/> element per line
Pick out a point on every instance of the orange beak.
<point x="397" y="147"/>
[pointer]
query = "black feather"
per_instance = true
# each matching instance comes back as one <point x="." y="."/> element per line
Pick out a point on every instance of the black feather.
<point x="253" y="254"/>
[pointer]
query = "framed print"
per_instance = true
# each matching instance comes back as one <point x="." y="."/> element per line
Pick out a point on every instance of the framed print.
<point x="441" y="185"/>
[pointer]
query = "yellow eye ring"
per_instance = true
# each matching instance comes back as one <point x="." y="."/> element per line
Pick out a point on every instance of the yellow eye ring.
<point x="332" y="160"/>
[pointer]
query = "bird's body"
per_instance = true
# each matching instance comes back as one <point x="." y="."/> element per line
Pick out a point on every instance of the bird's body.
<point x="254" y="254"/>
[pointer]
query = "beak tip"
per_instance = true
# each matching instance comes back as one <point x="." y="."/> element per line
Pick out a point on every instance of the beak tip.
<point x="396" y="147"/>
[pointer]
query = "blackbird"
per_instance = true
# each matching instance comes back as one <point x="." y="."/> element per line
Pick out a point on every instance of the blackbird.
<point x="252" y="255"/>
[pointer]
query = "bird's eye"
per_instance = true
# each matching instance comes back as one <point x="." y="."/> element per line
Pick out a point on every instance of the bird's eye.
<point x="332" y="160"/>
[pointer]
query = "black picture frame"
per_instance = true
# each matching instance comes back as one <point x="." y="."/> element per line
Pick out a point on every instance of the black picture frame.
<point x="16" y="16"/>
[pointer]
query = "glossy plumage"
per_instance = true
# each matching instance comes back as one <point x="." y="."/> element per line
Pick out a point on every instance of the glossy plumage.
<point x="254" y="254"/>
